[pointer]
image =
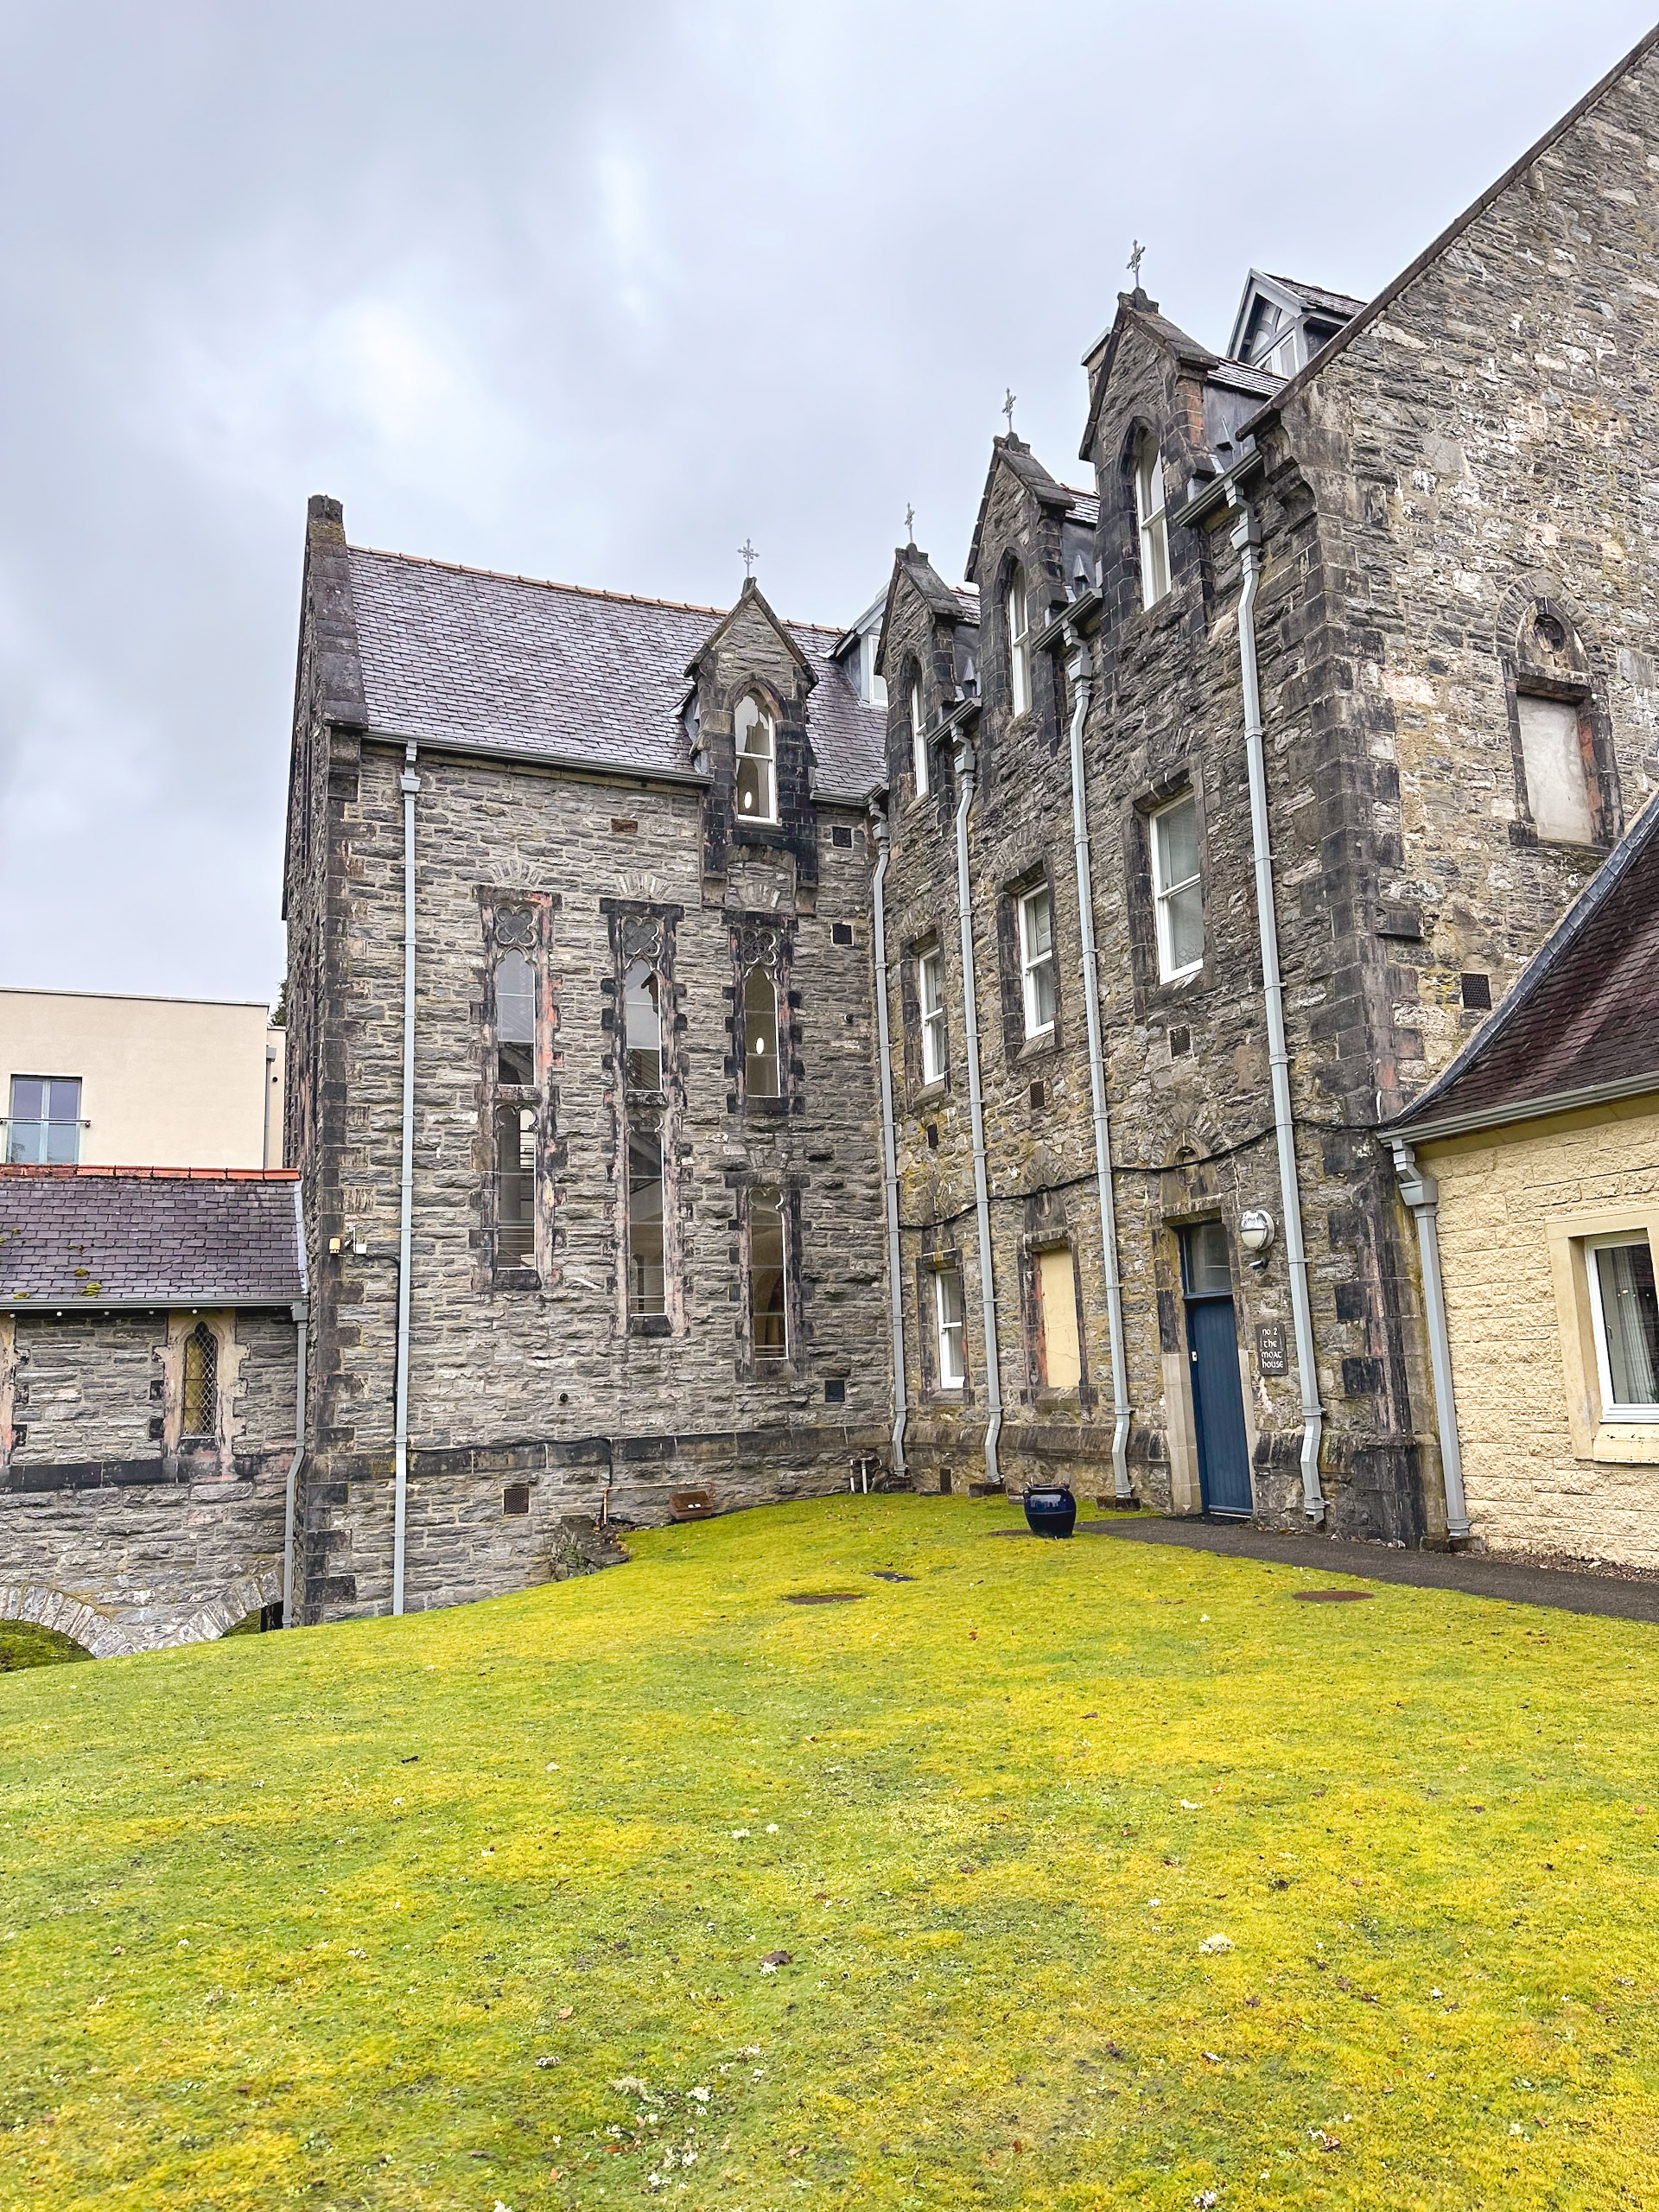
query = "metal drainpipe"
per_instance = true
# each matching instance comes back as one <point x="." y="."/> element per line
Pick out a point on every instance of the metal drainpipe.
<point x="409" y="784"/>
<point x="301" y="1312"/>
<point x="1246" y="542"/>
<point x="889" y="1148"/>
<point x="1078" y="669"/>
<point x="1422" y="1194"/>
<point x="965" y="782"/>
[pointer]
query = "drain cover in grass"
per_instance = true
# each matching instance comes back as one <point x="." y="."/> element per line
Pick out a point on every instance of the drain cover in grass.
<point x="1329" y="1597"/>
<point x="824" y="1597"/>
<point x="886" y="1574"/>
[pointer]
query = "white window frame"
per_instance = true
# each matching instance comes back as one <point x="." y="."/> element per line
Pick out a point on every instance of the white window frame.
<point x="949" y="1343"/>
<point x="1017" y="610"/>
<point x="929" y="968"/>
<point x="765" y="722"/>
<point x="1163" y="892"/>
<point x="1032" y="963"/>
<point x="1611" y="1410"/>
<point x="875" y="685"/>
<point x="918" y="739"/>
<point x="1152" y="522"/>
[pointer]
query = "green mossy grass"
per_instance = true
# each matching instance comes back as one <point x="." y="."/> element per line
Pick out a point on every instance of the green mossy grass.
<point x="473" y="1908"/>
<point x="22" y="1644"/>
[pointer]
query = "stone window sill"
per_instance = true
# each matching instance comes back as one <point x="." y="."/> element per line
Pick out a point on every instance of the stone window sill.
<point x="1626" y="1444"/>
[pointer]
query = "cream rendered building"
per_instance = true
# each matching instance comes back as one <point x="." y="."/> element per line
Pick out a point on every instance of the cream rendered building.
<point x="108" y="1080"/>
<point x="1532" y="1164"/>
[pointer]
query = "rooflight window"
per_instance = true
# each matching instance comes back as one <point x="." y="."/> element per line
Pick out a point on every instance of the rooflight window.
<point x="1151" y="520"/>
<point x="757" y="762"/>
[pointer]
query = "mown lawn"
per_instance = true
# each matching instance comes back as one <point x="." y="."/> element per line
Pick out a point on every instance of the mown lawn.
<point x="475" y="1909"/>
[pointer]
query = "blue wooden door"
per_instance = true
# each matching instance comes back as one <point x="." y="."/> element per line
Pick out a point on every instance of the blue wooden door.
<point x="1218" y="1403"/>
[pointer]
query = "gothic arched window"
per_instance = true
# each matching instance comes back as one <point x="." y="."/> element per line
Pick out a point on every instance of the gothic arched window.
<point x="515" y="1018"/>
<point x="757" y="762"/>
<point x="917" y="737"/>
<point x="1017" y="606"/>
<point x="642" y="1026"/>
<point x="199" y="1417"/>
<point x="1151" y="521"/>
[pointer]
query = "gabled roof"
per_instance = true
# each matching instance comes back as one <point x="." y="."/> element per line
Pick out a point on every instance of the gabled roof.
<point x="1292" y="296"/>
<point x="1314" y="295"/>
<point x="1014" y="454"/>
<point x="465" y="657"/>
<point x="1580" y="1021"/>
<point x="1385" y="299"/>
<point x="1135" y="308"/>
<point x="98" y="1237"/>
<point x="753" y="601"/>
<point x="952" y="603"/>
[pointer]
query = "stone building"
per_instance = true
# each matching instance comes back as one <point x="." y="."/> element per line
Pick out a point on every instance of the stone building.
<point x="1532" y="1164"/>
<point x="638" y="1249"/>
<point x="1351" y="634"/>
<point x="151" y="1341"/>
<point x="729" y="1058"/>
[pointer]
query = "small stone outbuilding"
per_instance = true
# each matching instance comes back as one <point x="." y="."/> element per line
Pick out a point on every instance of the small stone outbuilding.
<point x="150" y="1370"/>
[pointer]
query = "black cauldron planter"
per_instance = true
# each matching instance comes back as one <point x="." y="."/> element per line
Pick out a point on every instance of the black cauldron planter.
<point x="1051" y="1511"/>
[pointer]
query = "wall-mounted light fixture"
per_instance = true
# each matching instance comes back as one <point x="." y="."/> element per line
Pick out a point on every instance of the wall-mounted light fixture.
<point x="1256" y="1235"/>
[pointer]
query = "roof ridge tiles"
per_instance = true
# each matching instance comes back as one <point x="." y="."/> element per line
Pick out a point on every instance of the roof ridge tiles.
<point x="576" y="591"/>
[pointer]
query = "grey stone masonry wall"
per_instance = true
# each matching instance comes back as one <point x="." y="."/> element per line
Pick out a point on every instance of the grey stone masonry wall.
<point x="539" y="1377"/>
<point x="111" y="1530"/>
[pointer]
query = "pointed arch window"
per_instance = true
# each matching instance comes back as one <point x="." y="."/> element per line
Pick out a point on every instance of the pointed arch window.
<point x="761" y="1078"/>
<point x="199" y="1419"/>
<point x="917" y="737"/>
<point x="1018" y="610"/>
<point x="757" y="762"/>
<point x="642" y="1025"/>
<point x="647" y="1281"/>
<point x="1151" y="520"/>
<point x="768" y="1274"/>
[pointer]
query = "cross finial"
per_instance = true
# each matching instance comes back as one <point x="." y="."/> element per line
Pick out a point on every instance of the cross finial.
<point x="910" y="525"/>
<point x="1008" y="408"/>
<point x="1137" y="253"/>
<point x="746" y="554"/>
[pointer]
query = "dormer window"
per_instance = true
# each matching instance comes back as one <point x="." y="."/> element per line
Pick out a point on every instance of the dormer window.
<point x="874" y="686"/>
<point x="1151" y="521"/>
<point x="918" y="737"/>
<point x="757" y="762"/>
<point x="1019" y="619"/>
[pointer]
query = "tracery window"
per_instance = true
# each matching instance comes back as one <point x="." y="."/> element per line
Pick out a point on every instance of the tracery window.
<point x="761" y="1075"/>
<point x="768" y="1276"/>
<point x="515" y="1018"/>
<point x="642" y="1026"/>
<point x="757" y="762"/>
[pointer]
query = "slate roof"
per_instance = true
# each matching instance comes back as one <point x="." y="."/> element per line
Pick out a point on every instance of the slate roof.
<point x="107" y="1236"/>
<point x="465" y="656"/>
<point x="1582" y="1016"/>
<point x="1315" y="295"/>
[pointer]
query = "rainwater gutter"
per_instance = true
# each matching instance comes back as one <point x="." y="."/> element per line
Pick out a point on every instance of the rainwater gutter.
<point x="966" y="780"/>
<point x="1079" y="669"/>
<point x="1246" y="536"/>
<point x="1421" y="1194"/>
<point x="889" y="1146"/>
<point x="409" y="784"/>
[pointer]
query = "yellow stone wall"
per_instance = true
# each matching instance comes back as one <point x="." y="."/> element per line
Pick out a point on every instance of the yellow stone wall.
<point x="1543" y="1473"/>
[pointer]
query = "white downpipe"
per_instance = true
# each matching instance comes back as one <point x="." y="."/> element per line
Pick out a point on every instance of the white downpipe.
<point x="889" y="1146"/>
<point x="301" y="1313"/>
<point x="965" y="782"/>
<point x="1078" y="669"/>
<point x="1422" y="1194"/>
<point x="1246" y="542"/>
<point x="409" y="784"/>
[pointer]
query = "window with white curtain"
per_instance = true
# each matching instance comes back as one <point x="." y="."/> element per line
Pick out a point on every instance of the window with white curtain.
<point x="1625" y="1309"/>
<point x="930" y="983"/>
<point x="947" y="1322"/>
<point x="1037" y="960"/>
<point x="1177" y="892"/>
<point x="1151" y="521"/>
<point x="1018" y="610"/>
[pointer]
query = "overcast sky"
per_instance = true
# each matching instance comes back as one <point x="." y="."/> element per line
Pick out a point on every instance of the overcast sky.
<point x="590" y="292"/>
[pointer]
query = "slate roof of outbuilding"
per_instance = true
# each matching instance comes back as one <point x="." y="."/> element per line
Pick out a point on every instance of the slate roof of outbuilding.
<point x="1582" y="1016"/>
<point x="102" y="1236"/>
<point x="466" y="656"/>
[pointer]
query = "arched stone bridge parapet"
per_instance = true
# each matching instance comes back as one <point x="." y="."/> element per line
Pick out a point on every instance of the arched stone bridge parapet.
<point x="112" y="1630"/>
